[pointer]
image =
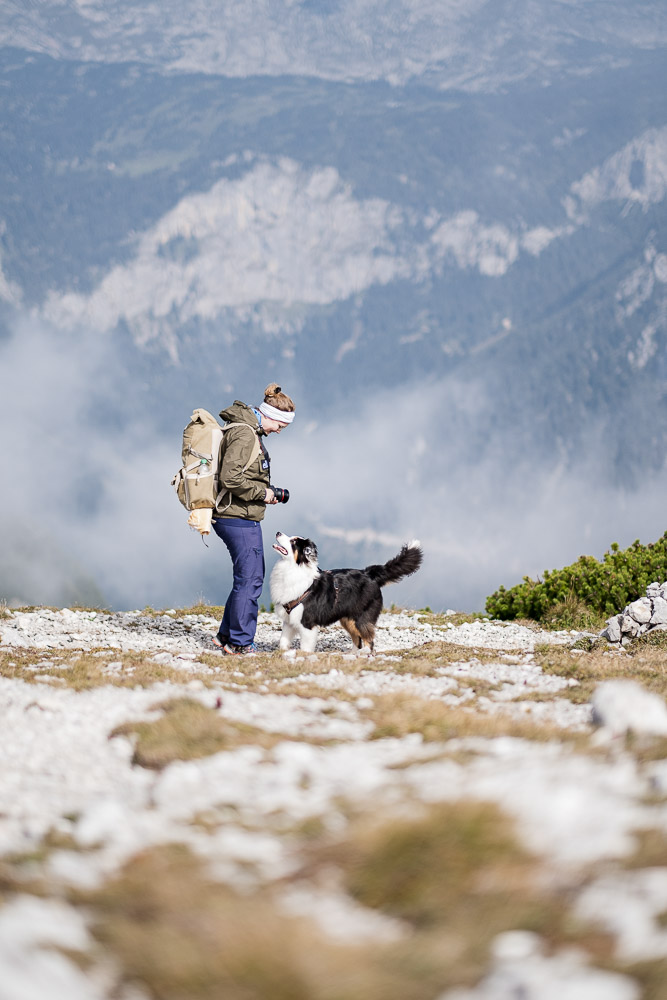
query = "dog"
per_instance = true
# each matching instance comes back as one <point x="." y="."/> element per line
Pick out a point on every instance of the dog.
<point x="307" y="598"/>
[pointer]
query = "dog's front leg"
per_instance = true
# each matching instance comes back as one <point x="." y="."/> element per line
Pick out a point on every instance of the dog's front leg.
<point x="308" y="638"/>
<point x="287" y="636"/>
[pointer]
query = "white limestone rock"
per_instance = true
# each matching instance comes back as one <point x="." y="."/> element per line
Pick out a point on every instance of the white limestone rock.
<point x="640" y="610"/>
<point x="640" y="616"/>
<point x="621" y="705"/>
<point x="629" y="626"/>
<point x="613" y="630"/>
<point x="659" y="615"/>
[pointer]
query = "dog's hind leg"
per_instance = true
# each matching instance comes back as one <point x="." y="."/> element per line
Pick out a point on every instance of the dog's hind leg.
<point x="353" y="632"/>
<point x="367" y="634"/>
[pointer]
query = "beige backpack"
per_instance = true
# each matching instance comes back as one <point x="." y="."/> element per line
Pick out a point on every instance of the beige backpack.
<point x="197" y="481"/>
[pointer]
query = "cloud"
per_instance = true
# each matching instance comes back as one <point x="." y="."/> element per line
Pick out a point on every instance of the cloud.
<point x="491" y="249"/>
<point x="88" y="514"/>
<point x="426" y="462"/>
<point x="10" y="292"/>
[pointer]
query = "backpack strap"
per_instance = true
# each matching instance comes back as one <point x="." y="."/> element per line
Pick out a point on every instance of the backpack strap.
<point x="254" y="455"/>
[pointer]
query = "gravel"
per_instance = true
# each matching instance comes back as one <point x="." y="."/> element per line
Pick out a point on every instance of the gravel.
<point x="61" y="772"/>
<point x="67" y="629"/>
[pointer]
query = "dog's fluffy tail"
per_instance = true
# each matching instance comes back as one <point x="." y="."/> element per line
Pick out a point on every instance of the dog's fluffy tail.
<point x="408" y="561"/>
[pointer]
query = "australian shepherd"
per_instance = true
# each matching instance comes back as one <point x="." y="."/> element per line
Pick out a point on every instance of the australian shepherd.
<point x="307" y="598"/>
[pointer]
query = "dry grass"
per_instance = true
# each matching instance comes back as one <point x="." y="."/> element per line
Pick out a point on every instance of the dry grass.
<point x="397" y="715"/>
<point x="187" y="730"/>
<point x="419" y="869"/>
<point x="311" y="689"/>
<point x="650" y="850"/>
<point x="81" y="670"/>
<point x="180" y="936"/>
<point x="439" y="619"/>
<point x="573" y="613"/>
<point x="266" y="671"/>
<point x="643" y="662"/>
<point x="206" y="610"/>
<point x="651" y="976"/>
<point x="456" y="874"/>
<point x="84" y="670"/>
<point x="429" y="659"/>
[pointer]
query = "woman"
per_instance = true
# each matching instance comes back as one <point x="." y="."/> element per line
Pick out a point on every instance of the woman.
<point x="245" y="473"/>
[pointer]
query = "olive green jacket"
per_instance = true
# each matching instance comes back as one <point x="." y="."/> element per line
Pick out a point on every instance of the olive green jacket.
<point x="246" y="489"/>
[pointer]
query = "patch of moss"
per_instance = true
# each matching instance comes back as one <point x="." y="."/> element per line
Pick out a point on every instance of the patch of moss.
<point x="655" y="639"/>
<point x="588" y="643"/>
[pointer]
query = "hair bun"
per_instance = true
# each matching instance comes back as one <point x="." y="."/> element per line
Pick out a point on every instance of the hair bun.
<point x="274" y="395"/>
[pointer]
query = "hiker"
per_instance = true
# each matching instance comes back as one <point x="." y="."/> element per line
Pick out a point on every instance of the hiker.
<point x="240" y="524"/>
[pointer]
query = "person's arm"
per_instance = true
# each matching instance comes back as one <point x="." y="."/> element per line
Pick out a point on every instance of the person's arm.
<point x="237" y="449"/>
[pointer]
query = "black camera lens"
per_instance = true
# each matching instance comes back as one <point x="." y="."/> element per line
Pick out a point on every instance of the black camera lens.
<point x="282" y="496"/>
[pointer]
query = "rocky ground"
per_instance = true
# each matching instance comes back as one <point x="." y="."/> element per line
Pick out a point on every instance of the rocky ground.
<point x="478" y="811"/>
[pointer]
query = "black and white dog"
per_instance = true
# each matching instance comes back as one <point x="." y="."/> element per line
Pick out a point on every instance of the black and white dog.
<point x="307" y="598"/>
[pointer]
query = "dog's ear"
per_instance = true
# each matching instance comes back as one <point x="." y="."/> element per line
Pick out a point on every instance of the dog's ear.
<point x="310" y="550"/>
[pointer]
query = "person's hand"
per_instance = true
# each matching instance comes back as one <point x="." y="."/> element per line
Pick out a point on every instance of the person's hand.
<point x="269" y="496"/>
<point x="200" y="520"/>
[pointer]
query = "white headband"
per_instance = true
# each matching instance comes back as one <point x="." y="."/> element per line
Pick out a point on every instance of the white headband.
<point x="284" y="416"/>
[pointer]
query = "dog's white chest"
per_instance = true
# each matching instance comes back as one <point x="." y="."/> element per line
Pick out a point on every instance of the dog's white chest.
<point x="289" y="581"/>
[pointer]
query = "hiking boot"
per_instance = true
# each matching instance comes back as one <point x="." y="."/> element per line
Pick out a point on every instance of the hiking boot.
<point x="220" y="640"/>
<point x="230" y="649"/>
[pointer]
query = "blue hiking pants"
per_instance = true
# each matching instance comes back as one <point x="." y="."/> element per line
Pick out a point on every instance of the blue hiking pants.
<point x="244" y="541"/>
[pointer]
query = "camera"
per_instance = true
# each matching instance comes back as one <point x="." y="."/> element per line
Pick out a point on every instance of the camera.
<point x="282" y="496"/>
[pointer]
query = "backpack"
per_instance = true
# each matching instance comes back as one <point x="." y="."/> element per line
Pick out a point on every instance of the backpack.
<point x="197" y="481"/>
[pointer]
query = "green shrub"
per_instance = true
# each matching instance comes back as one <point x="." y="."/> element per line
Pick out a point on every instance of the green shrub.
<point x="598" y="589"/>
